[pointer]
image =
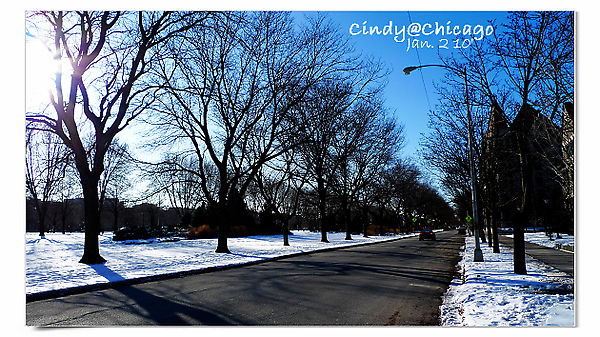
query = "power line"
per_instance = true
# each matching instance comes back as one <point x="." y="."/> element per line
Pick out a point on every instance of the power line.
<point x="420" y="71"/>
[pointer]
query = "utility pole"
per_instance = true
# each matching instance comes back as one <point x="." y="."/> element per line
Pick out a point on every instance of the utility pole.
<point x="477" y="254"/>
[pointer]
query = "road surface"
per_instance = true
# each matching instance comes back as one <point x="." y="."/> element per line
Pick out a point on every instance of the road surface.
<point x="394" y="283"/>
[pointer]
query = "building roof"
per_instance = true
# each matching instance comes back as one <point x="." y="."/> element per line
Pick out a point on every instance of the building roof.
<point x="498" y="120"/>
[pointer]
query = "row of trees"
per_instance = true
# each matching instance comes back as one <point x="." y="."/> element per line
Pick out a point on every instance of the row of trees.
<point x="527" y="68"/>
<point x="238" y="103"/>
<point x="273" y="203"/>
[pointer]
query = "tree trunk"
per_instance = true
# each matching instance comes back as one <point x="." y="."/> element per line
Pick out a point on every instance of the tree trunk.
<point x="346" y="211"/>
<point x="480" y="223"/>
<point x="322" y="209"/>
<point x="380" y="220"/>
<point x="91" y="249"/>
<point x="41" y="211"/>
<point x="519" y="228"/>
<point x="519" y="245"/>
<point x="323" y="216"/>
<point x="223" y="235"/>
<point x="223" y="222"/>
<point x="365" y="221"/>
<point x="496" y="245"/>
<point x="286" y="241"/>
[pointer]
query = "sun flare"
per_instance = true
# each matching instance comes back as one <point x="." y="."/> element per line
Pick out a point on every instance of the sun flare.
<point x="40" y="72"/>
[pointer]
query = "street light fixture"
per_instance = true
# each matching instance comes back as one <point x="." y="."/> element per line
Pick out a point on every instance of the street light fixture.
<point x="477" y="254"/>
<point x="407" y="70"/>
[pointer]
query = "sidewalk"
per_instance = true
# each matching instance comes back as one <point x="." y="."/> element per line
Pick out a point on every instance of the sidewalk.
<point x="489" y="293"/>
<point x="561" y="260"/>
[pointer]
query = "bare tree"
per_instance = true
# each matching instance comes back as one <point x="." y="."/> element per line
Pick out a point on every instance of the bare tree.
<point x="116" y="179"/>
<point x="322" y="114"/>
<point x="110" y="54"/>
<point x="230" y="92"/>
<point x="280" y="184"/>
<point x="69" y="189"/>
<point x="336" y="117"/>
<point x="445" y="149"/>
<point x="47" y="160"/>
<point x="536" y="54"/>
<point x="364" y="148"/>
<point x="401" y="179"/>
<point x="176" y="178"/>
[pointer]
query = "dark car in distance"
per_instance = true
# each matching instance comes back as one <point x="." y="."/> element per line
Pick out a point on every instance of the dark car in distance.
<point x="131" y="233"/>
<point x="426" y="234"/>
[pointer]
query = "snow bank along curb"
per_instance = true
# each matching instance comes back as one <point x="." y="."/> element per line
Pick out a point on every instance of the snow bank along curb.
<point x="37" y="296"/>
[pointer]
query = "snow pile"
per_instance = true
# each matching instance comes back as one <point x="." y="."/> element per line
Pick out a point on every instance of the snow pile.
<point x="489" y="293"/>
<point x="52" y="262"/>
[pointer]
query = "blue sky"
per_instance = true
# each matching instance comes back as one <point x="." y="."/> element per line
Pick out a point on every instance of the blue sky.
<point x="411" y="96"/>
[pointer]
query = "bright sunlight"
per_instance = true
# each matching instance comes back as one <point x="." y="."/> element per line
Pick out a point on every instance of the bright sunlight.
<point x="40" y="69"/>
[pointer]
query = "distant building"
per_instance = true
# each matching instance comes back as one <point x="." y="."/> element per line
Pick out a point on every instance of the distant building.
<point x="530" y="151"/>
<point x="568" y="149"/>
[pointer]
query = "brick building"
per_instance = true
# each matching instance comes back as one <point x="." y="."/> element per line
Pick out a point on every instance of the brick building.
<point x="530" y="153"/>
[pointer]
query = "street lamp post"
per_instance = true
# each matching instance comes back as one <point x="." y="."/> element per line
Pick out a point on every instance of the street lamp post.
<point x="477" y="254"/>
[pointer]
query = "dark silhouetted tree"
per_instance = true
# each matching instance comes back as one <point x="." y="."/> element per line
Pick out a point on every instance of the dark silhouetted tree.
<point x="110" y="54"/>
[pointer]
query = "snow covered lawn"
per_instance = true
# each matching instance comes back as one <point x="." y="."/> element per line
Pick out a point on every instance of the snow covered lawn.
<point x="489" y="293"/>
<point x="52" y="261"/>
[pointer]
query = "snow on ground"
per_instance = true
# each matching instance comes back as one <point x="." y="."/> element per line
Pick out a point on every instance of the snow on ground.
<point x="486" y="294"/>
<point x="489" y="293"/>
<point x="52" y="261"/>
<point x="542" y="239"/>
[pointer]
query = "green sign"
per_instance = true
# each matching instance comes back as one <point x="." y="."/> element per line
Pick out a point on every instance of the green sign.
<point x="468" y="218"/>
<point x="414" y="219"/>
<point x="428" y="221"/>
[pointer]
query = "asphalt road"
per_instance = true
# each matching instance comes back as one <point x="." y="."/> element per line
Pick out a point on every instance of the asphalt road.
<point x="393" y="283"/>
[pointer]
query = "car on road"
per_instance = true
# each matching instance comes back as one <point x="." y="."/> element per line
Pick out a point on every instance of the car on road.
<point x="426" y="234"/>
<point x="131" y="233"/>
<point x="461" y="230"/>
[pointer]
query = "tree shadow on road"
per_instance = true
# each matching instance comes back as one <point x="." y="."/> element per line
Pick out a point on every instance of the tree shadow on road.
<point x="149" y="306"/>
<point x="171" y="311"/>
